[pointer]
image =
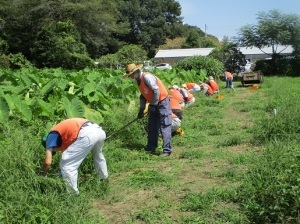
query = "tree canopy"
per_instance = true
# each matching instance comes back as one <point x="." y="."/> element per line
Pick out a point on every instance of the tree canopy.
<point x="46" y="31"/>
<point x="273" y="28"/>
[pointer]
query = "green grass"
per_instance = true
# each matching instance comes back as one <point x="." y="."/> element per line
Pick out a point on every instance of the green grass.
<point x="236" y="163"/>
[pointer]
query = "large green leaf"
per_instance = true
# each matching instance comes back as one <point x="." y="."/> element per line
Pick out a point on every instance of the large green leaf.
<point x="88" y="88"/>
<point x="26" y="80"/>
<point x="47" y="108"/>
<point x="48" y="87"/>
<point x="73" y="108"/>
<point x="4" y="110"/>
<point x="10" y="101"/>
<point x="23" y="108"/>
<point x="11" y="89"/>
<point x="93" y="115"/>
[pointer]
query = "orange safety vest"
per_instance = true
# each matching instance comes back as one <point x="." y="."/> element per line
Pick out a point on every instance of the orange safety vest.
<point x="229" y="75"/>
<point x="174" y="116"/>
<point x="176" y="94"/>
<point x="68" y="130"/>
<point x="190" y="85"/>
<point x="148" y="93"/>
<point x="174" y="104"/>
<point x="190" y="96"/>
<point x="213" y="84"/>
<point x="209" y="89"/>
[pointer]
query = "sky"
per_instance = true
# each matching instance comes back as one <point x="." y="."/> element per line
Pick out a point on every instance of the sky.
<point x="225" y="17"/>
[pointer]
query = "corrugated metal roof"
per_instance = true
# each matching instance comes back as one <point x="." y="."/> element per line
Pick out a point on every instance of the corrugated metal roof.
<point x="268" y="50"/>
<point x="173" y="53"/>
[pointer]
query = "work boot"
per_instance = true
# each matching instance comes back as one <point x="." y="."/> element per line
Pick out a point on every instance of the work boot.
<point x="165" y="154"/>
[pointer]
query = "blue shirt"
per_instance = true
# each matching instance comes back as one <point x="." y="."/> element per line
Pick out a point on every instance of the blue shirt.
<point x="53" y="140"/>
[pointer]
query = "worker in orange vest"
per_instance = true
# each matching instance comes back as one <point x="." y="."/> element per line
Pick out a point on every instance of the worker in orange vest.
<point x="207" y="90"/>
<point x="75" y="138"/>
<point x="189" y="98"/>
<point x="175" y="93"/>
<point x="176" y="107"/>
<point x="229" y="79"/>
<point x="176" y="116"/>
<point x="213" y="84"/>
<point x="154" y="92"/>
<point x="192" y="87"/>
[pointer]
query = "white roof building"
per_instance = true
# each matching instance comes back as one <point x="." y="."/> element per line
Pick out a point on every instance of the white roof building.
<point x="251" y="53"/>
<point x="173" y="55"/>
<point x="254" y="53"/>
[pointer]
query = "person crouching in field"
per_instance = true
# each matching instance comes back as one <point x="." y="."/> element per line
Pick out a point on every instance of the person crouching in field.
<point x="192" y="87"/>
<point x="175" y="93"/>
<point x="207" y="90"/>
<point x="213" y="84"/>
<point x="177" y="114"/>
<point x="189" y="98"/>
<point x="75" y="138"/>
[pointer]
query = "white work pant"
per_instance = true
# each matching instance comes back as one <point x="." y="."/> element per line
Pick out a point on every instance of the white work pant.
<point x="176" y="122"/>
<point x="182" y="104"/>
<point x="196" y="88"/>
<point x="90" y="139"/>
<point x="190" y="102"/>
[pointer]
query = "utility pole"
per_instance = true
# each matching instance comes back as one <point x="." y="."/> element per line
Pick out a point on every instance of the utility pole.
<point x="205" y="30"/>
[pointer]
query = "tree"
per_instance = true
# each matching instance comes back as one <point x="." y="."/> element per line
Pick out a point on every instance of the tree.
<point x="126" y="55"/>
<point x="192" y="39"/>
<point x="151" y="22"/>
<point x="97" y="22"/>
<point x="229" y="55"/>
<point x="208" y="41"/>
<point x="273" y="29"/>
<point x="58" y="45"/>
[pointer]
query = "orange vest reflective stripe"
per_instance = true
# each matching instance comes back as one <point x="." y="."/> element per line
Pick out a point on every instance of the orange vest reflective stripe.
<point x="148" y="93"/>
<point x="68" y="130"/>
<point x="174" y="104"/>
<point x="190" y="85"/>
<point x="229" y="75"/>
<point x="176" y="95"/>
<point x="213" y="84"/>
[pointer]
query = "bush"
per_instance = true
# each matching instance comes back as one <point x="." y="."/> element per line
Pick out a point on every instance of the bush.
<point x="212" y="66"/>
<point x="18" y="61"/>
<point x="126" y="55"/>
<point x="4" y="61"/>
<point x="14" y="61"/>
<point x="282" y="67"/>
<point x="78" y="61"/>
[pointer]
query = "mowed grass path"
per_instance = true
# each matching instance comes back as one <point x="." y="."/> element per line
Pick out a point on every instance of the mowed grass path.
<point x="205" y="168"/>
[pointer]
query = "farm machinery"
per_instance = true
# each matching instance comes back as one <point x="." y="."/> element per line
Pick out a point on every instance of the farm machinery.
<point x="248" y="76"/>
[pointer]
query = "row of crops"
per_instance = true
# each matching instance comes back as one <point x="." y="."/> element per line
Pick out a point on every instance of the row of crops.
<point x="54" y="94"/>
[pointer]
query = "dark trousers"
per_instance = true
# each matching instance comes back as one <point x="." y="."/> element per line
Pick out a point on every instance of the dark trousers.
<point x="160" y="121"/>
